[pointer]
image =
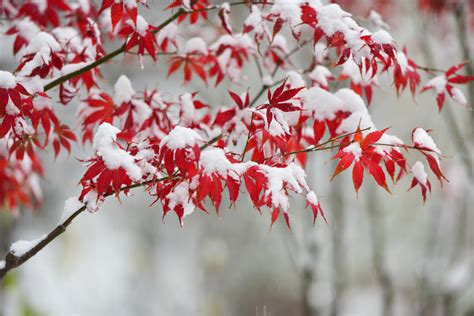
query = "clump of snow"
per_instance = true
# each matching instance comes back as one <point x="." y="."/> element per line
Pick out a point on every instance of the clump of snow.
<point x="68" y="37"/>
<point x="322" y="103"/>
<point x="71" y="206"/>
<point x="180" y="196"/>
<point x="113" y="156"/>
<point x="214" y="160"/>
<point x="288" y="10"/>
<point x="20" y="247"/>
<point x="353" y="103"/>
<point x="320" y="75"/>
<point x="292" y="175"/>
<point x="276" y="128"/>
<point x="196" y="45"/>
<point x="33" y="84"/>
<point x="419" y="172"/>
<point x="458" y="96"/>
<point x="332" y="19"/>
<point x="358" y="75"/>
<point x="187" y="109"/>
<point x="180" y="137"/>
<point x="382" y="37"/>
<point x="242" y="41"/>
<point x="105" y="136"/>
<point x="169" y="32"/>
<point x="93" y="201"/>
<point x="123" y="90"/>
<point x="26" y="28"/>
<point x="438" y="84"/>
<point x="312" y="198"/>
<point x="42" y="40"/>
<point x="70" y="68"/>
<point x="354" y="149"/>
<point x="7" y="80"/>
<point x="294" y="80"/>
<point x="141" y="26"/>
<point x="2" y="264"/>
<point x="141" y="112"/>
<point x="255" y="21"/>
<point x="421" y="138"/>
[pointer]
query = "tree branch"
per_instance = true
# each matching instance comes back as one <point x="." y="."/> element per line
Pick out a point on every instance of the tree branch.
<point x="56" y="82"/>
<point x="12" y="261"/>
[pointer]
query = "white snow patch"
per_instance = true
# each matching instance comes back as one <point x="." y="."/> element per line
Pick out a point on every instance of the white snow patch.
<point x="312" y="198"/>
<point x="320" y="75"/>
<point x="20" y="247"/>
<point x="437" y="83"/>
<point x="123" y="90"/>
<point x="354" y="149"/>
<point x="382" y="37"/>
<point x="458" y="96"/>
<point x="293" y="175"/>
<point x="113" y="156"/>
<point x="42" y="40"/>
<point x="419" y="172"/>
<point x="142" y="25"/>
<point x="421" y="138"/>
<point x="196" y="45"/>
<point x="322" y="103"/>
<point x="70" y="207"/>
<point x="180" y="196"/>
<point x="180" y="137"/>
<point x="7" y="80"/>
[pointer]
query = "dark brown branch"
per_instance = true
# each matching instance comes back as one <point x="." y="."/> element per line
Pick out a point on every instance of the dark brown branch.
<point x="12" y="261"/>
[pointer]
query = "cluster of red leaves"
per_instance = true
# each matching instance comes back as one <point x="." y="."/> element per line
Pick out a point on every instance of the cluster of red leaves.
<point x="208" y="65"/>
<point x="143" y="38"/>
<point x="17" y="186"/>
<point x="363" y="154"/>
<point x="280" y="100"/>
<point x="120" y="11"/>
<point x="193" y="5"/>
<point x="443" y="84"/>
<point x="276" y="133"/>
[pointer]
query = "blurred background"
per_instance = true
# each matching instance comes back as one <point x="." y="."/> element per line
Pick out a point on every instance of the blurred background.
<point x="379" y="254"/>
